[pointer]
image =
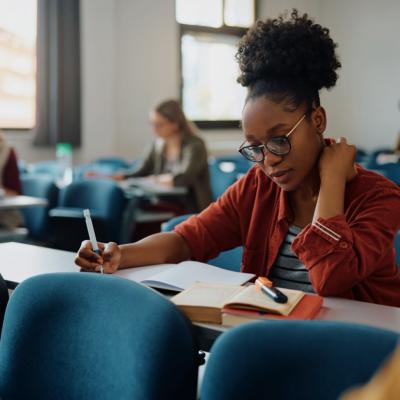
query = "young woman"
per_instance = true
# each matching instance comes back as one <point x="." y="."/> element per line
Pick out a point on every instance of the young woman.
<point x="178" y="156"/>
<point x="307" y="216"/>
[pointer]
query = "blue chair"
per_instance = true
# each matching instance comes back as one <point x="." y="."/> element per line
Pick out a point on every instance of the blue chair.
<point x="115" y="162"/>
<point x="37" y="218"/>
<point x="391" y="171"/>
<point x="370" y="160"/>
<point x="224" y="171"/>
<point x="102" y="170"/>
<point x="22" y="167"/>
<point x="74" y="336"/>
<point x="106" y="202"/>
<point x="3" y="300"/>
<point x="293" y="360"/>
<point x="361" y="155"/>
<point x="229" y="259"/>
<point x="397" y="248"/>
<point x="50" y="168"/>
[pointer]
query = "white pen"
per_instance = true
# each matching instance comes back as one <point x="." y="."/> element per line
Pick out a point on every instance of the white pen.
<point x="92" y="235"/>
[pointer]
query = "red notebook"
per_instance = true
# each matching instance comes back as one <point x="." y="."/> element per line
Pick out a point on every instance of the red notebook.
<point x="308" y="308"/>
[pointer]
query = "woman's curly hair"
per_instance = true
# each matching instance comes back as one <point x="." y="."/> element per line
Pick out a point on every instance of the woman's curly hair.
<point x="292" y="57"/>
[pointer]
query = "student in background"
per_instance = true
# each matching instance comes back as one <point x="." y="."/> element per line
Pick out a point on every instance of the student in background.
<point x="307" y="216"/>
<point x="10" y="184"/>
<point x="178" y="156"/>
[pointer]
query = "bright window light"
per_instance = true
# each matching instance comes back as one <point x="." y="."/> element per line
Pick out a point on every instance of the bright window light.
<point x="199" y="12"/>
<point x="17" y="63"/>
<point x="209" y="69"/>
<point x="239" y="12"/>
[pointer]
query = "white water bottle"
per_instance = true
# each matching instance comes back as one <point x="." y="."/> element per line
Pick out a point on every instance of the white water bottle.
<point x="64" y="159"/>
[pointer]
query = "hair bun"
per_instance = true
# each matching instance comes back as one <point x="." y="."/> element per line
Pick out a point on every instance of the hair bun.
<point x="293" y="49"/>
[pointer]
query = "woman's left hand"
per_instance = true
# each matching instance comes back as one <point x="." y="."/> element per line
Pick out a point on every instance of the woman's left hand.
<point x="337" y="160"/>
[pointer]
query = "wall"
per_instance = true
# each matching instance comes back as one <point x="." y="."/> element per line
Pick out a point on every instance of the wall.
<point x="364" y="104"/>
<point x="130" y="58"/>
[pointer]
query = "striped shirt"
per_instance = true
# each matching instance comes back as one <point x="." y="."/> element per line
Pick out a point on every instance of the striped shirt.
<point x="288" y="271"/>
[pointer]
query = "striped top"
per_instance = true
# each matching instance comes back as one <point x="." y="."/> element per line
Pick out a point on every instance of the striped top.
<point x="288" y="271"/>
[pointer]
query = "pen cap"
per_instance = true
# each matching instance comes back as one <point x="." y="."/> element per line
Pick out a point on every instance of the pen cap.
<point x="263" y="281"/>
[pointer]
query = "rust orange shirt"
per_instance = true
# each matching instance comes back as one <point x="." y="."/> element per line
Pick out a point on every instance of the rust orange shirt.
<point x="349" y="255"/>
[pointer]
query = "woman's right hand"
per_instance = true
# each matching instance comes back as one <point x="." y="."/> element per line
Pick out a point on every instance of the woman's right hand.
<point x="89" y="261"/>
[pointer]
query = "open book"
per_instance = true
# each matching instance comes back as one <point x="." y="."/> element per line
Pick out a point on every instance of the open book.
<point x="178" y="277"/>
<point x="208" y="302"/>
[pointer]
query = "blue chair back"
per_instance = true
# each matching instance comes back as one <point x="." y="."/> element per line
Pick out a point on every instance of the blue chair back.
<point x="104" y="197"/>
<point x="294" y="360"/>
<point x="116" y="162"/>
<point x="106" y="202"/>
<point x="37" y="218"/>
<point x="397" y="248"/>
<point x="229" y="259"/>
<point x="50" y="168"/>
<point x="391" y="171"/>
<point x="224" y="171"/>
<point x="371" y="159"/>
<point x="74" y="336"/>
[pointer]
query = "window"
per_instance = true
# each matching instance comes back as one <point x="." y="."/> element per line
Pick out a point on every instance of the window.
<point x="17" y="63"/>
<point x="209" y="34"/>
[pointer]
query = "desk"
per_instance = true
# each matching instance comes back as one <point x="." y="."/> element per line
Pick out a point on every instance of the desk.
<point x="21" y="261"/>
<point x="142" y="186"/>
<point x="18" y="202"/>
<point x="137" y="189"/>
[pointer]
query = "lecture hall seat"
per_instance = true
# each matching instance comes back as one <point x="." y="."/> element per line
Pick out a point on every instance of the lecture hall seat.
<point x="75" y="336"/>
<point x="289" y="360"/>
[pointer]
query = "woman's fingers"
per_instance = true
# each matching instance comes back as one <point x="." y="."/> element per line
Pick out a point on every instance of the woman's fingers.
<point x="87" y="258"/>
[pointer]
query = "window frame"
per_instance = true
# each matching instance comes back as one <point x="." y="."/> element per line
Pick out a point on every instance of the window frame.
<point x="222" y="30"/>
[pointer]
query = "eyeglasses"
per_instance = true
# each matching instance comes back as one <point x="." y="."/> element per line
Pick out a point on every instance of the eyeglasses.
<point x="278" y="145"/>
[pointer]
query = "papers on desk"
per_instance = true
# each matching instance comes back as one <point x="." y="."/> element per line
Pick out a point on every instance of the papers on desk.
<point x="177" y="277"/>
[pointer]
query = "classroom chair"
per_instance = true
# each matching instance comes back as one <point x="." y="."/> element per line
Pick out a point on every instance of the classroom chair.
<point x="37" y="218"/>
<point x="116" y="162"/>
<point x="49" y="168"/>
<point x="371" y="159"/>
<point x="397" y="248"/>
<point x="106" y="202"/>
<point x="75" y="336"/>
<point x="288" y="360"/>
<point x="223" y="173"/>
<point x="229" y="259"/>
<point x="391" y="171"/>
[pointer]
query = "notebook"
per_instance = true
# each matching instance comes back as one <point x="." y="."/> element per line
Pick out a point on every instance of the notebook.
<point x="209" y="302"/>
<point x="307" y="308"/>
<point x="178" y="277"/>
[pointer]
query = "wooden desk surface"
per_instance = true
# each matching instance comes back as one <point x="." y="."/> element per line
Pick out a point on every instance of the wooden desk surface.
<point x="21" y="261"/>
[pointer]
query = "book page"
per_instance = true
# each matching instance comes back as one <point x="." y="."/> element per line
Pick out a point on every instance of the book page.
<point x="187" y="273"/>
<point x="206" y="295"/>
<point x="138" y="274"/>
<point x="253" y="299"/>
